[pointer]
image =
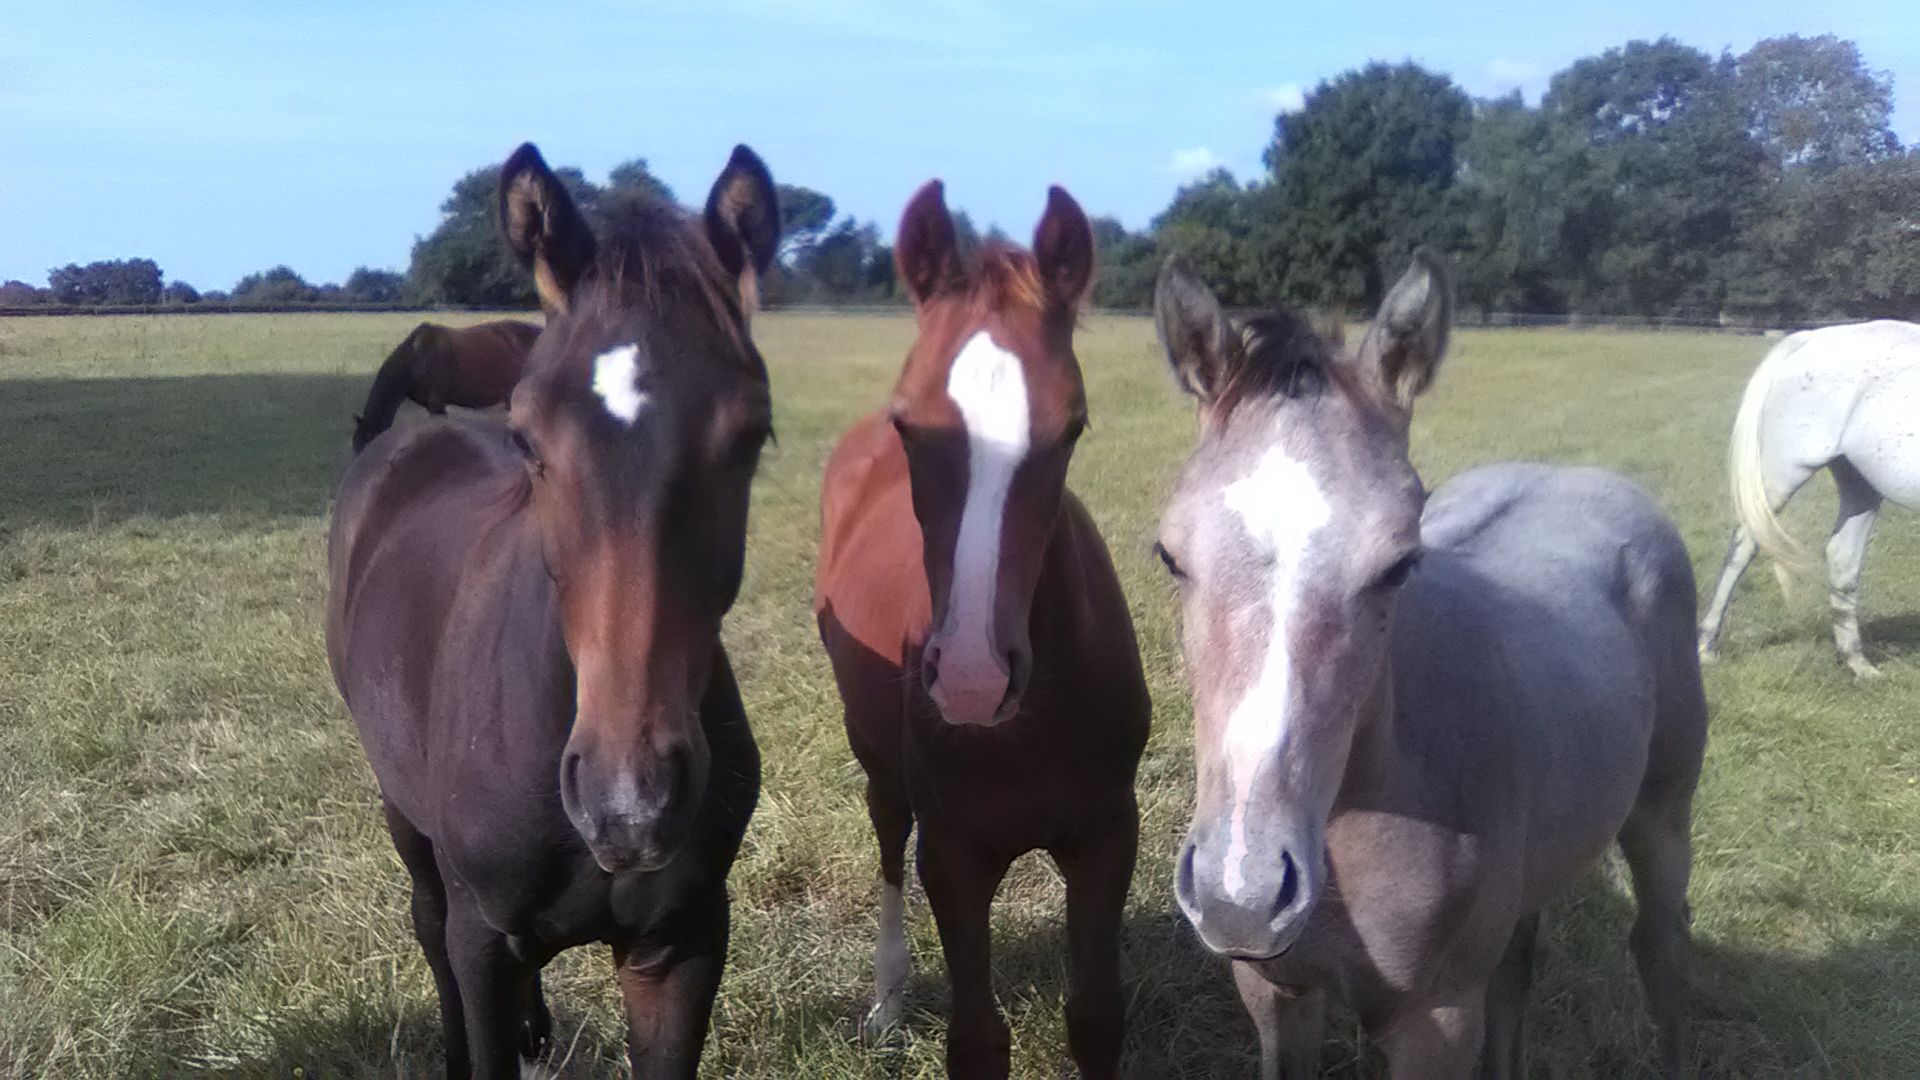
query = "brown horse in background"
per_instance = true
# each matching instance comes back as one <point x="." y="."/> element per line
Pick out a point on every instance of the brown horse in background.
<point x="524" y="622"/>
<point x="978" y="634"/>
<point x="474" y="367"/>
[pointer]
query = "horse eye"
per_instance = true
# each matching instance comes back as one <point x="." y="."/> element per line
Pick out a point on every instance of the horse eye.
<point x="1167" y="560"/>
<point x="1076" y="427"/>
<point x="1398" y="573"/>
<point x="746" y="449"/>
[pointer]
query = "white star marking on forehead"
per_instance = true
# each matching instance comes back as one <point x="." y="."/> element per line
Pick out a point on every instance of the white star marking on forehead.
<point x="616" y="378"/>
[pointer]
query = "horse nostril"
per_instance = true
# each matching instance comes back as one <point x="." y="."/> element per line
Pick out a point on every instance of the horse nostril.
<point x="1289" y="884"/>
<point x="930" y="667"/>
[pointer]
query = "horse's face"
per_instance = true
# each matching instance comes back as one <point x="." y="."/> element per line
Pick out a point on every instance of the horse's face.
<point x="1293" y="526"/>
<point x="641" y="418"/>
<point x="988" y="408"/>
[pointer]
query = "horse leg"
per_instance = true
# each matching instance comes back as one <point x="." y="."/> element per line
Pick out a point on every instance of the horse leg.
<point x="1740" y="552"/>
<point x="960" y="884"/>
<point x="1440" y="1040"/>
<point x="1291" y="1024"/>
<point x="1846" y="553"/>
<point x="892" y="961"/>
<point x="1657" y="843"/>
<point x="1504" y="1057"/>
<point x="538" y="1031"/>
<point x="430" y="927"/>
<point x="1098" y="872"/>
<point x="668" y="983"/>
<point x="493" y="986"/>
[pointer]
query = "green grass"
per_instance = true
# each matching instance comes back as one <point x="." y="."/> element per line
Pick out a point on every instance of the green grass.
<point x="193" y="874"/>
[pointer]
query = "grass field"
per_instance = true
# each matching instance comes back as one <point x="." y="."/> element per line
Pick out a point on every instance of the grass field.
<point x="193" y="874"/>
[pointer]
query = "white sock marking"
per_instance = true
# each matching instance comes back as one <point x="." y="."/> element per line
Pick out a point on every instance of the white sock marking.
<point x="1281" y="507"/>
<point x="616" y="378"/>
<point x="891" y="960"/>
<point x="989" y="386"/>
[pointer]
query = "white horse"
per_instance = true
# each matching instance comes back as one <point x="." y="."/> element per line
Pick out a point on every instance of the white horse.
<point x="1844" y="398"/>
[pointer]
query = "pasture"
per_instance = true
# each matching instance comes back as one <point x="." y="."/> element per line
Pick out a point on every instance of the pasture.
<point x="194" y="876"/>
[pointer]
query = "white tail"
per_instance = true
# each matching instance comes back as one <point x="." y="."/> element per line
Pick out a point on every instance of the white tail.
<point x="1752" y="504"/>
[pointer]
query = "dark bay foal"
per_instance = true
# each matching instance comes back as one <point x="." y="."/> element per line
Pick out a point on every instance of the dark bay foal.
<point x="474" y="367"/>
<point x="978" y="635"/>
<point x="1413" y="730"/>
<point x="525" y="625"/>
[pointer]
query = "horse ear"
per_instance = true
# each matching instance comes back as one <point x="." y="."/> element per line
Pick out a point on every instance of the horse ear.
<point x="543" y="228"/>
<point x="1194" y="330"/>
<point x="743" y="221"/>
<point x="925" y="250"/>
<point x="1063" y="248"/>
<point x="1403" y="347"/>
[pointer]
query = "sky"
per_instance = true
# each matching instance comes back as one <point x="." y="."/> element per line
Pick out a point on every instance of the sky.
<point x="222" y="138"/>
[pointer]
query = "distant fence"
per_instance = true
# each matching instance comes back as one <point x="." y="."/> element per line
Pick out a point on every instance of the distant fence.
<point x="1465" y="318"/>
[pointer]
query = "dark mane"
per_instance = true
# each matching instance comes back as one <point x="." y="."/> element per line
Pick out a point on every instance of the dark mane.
<point x="654" y="254"/>
<point x="1282" y="354"/>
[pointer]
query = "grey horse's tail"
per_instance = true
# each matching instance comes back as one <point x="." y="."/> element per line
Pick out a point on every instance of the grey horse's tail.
<point x="1752" y="504"/>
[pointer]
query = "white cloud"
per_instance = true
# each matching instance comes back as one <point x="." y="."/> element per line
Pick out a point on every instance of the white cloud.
<point x="1523" y="75"/>
<point x="1287" y="97"/>
<point x="1187" y="164"/>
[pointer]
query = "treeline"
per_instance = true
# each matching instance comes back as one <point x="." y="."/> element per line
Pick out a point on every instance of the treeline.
<point x="139" y="283"/>
<point x="1652" y="180"/>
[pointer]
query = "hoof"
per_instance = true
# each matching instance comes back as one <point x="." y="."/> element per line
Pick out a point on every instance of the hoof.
<point x="1863" y="670"/>
<point x="881" y="1019"/>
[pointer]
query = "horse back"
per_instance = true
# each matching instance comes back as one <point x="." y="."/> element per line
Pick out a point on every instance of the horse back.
<point x="1544" y="658"/>
<point x="482" y="363"/>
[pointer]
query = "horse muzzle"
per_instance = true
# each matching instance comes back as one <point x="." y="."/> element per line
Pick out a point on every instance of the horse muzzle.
<point x="1244" y="906"/>
<point x="633" y="816"/>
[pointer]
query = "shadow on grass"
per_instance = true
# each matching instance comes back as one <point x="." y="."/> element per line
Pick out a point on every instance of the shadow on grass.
<point x="98" y="451"/>
<point x="1892" y="635"/>
<point x="1848" y="1011"/>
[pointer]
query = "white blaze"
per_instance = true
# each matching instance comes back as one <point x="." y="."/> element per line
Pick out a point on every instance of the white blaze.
<point x="988" y="385"/>
<point x="1281" y="507"/>
<point x="616" y="378"/>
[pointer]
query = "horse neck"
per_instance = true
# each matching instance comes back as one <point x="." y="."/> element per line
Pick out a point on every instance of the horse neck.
<point x="391" y="385"/>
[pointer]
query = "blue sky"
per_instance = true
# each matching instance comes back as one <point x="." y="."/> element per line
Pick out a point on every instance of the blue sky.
<point x="221" y="138"/>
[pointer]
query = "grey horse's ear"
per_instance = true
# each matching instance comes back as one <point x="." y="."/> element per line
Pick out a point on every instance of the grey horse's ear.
<point x="1194" y="330"/>
<point x="1408" y="337"/>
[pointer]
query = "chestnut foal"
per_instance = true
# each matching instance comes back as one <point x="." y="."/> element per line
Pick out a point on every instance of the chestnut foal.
<point x="978" y="634"/>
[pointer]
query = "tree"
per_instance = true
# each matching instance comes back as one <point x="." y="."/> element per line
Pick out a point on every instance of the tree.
<point x="1812" y="102"/>
<point x="368" y="286"/>
<point x="1659" y="177"/>
<point x="839" y="262"/>
<point x="1210" y="226"/>
<point x="805" y="215"/>
<point x="634" y="178"/>
<point x="279" y="285"/>
<point x="1510" y="206"/>
<point x="19" y="294"/>
<point x="1843" y="243"/>
<point x="1362" y="175"/>
<point x="116" y="281"/>
<point x="1129" y="265"/>
<point x="179" y="292"/>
